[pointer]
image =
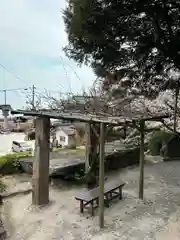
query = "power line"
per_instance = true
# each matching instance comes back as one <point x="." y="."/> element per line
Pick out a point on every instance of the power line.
<point x="72" y="70"/>
<point x="83" y="87"/>
<point x="68" y="78"/>
<point x="54" y="91"/>
<point x="20" y="95"/>
<point x="13" y="89"/>
<point x="18" y="78"/>
<point x="10" y="90"/>
<point x="15" y="76"/>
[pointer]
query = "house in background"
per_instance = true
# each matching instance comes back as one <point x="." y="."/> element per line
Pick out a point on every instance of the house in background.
<point x="64" y="136"/>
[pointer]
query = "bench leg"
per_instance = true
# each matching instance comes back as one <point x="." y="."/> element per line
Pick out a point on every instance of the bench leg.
<point x="92" y="208"/>
<point x="111" y="195"/>
<point x="81" y="206"/>
<point x="120" y="193"/>
<point x="107" y="200"/>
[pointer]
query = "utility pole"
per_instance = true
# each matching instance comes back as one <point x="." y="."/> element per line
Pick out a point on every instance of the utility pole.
<point x="5" y="96"/>
<point x="5" y="109"/>
<point x="10" y="90"/>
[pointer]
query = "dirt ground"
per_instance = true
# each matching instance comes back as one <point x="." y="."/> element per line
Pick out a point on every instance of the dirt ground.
<point x="157" y="217"/>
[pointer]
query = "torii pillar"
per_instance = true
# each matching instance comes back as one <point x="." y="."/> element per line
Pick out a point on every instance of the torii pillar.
<point x="40" y="179"/>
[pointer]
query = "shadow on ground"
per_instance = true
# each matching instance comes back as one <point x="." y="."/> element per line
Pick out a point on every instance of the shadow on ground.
<point x="157" y="217"/>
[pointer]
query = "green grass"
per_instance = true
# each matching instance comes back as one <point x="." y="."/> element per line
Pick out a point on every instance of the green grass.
<point x="55" y="154"/>
<point x="10" y="156"/>
<point x="55" y="149"/>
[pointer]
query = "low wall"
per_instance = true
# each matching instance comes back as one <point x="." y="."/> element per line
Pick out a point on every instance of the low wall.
<point x="115" y="160"/>
<point x="122" y="159"/>
<point x="27" y="164"/>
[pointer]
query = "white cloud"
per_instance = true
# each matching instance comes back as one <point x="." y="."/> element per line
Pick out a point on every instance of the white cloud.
<point x="31" y="34"/>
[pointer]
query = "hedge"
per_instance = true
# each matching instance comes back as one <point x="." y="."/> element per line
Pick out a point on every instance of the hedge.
<point x="9" y="163"/>
<point x="157" y="140"/>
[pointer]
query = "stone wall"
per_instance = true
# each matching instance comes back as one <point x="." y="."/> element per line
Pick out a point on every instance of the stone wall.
<point x="122" y="158"/>
<point x="116" y="160"/>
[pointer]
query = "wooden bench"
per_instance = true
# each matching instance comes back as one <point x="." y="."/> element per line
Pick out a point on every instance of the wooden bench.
<point x="112" y="190"/>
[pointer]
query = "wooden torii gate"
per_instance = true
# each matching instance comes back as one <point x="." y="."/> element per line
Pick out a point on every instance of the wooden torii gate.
<point x="40" y="179"/>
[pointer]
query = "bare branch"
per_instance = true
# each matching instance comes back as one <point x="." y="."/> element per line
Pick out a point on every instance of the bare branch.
<point x="33" y="103"/>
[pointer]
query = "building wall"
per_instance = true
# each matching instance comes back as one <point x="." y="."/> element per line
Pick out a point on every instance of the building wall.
<point x="62" y="138"/>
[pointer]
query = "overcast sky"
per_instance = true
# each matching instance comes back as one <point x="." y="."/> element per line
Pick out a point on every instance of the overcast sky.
<point x="31" y="39"/>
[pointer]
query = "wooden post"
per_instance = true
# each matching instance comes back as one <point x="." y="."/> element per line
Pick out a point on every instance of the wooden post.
<point x="88" y="146"/>
<point x="40" y="179"/>
<point x="141" y="178"/>
<point x="101" y="175"/>
<point x="94" y="142"/>
<point x="175" y="108"/>
<point x="125" y="132"/>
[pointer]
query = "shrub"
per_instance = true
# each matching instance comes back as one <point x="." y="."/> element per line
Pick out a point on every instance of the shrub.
<point x="10" y="163"/>
<point x="5" y="158"/>
<point x="2" y="187"/>
<point x="157" y="140"/>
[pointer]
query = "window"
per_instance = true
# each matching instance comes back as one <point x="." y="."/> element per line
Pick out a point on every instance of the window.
<point x="62" y="139"/>
<point x="17" y="143"/>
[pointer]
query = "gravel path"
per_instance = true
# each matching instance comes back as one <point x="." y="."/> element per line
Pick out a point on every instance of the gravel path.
<point x="157" y="217"/>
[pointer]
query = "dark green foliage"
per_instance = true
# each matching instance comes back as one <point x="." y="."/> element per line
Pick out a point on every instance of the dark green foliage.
<point x="157" y="140"/>
<point x="140" y="36"/>
<point x="10" y="163"/>
<point x="11" y="166"/>
<point x="2" y="187"/>
<point x="171" y="150"/>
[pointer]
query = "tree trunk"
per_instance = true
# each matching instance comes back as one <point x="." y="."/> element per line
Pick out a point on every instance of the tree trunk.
<point x="94" y="149"/>
<point x="101" y="175"/>
<point x="93" y="159"/>
<point x="175" y="108"/>
<point x="88" y="147"/>
<point x="141" y="177"/>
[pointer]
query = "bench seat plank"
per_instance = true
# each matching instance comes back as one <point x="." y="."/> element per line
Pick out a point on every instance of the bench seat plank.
<point x="94" y="193"/>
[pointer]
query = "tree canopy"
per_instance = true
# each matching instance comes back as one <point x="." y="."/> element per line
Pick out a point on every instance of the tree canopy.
<point x="140" y="36"/>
